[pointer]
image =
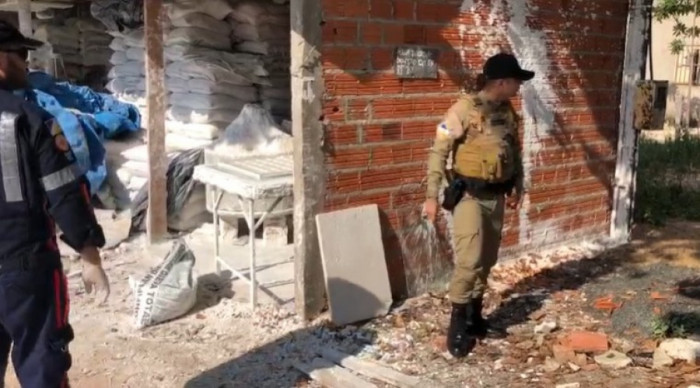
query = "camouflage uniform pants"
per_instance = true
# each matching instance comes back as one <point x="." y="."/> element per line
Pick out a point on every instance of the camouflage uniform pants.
<point x="478" y="223"/>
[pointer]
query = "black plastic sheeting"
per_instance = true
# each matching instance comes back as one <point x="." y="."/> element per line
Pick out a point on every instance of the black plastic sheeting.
<point x="179" y="186"/>
<point x="118" y="15"/>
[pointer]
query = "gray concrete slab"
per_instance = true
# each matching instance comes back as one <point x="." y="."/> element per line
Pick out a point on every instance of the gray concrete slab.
<point x="355" y="269"/>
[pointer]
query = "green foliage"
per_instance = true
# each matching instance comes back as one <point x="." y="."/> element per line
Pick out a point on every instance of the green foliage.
<point x="675" y="10"/>
<point x="668" y="180"/>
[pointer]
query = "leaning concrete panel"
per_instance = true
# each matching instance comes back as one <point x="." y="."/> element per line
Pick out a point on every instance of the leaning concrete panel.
<point x="355" y="269"/>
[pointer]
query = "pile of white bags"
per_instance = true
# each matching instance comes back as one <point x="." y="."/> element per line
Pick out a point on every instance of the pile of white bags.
<point x="81" y="44"/>
<point x="128" y="73"/>
<point x="208" y="83"/>
<point x="263" y="28"/>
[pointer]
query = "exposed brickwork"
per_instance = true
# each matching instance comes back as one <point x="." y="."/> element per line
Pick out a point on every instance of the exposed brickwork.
<point x="380" y="128"/>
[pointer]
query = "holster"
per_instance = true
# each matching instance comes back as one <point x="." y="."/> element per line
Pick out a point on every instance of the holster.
<point x="460" y="185"/>
<point x="453" y="193"/>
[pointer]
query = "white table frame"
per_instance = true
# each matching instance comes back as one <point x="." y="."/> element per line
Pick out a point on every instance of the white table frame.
<point x="246" y="191"/>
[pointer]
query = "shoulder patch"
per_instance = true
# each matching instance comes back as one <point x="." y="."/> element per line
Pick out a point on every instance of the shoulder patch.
<point x="59" y="139"/>
<point x="61" y="143"/>
<point x="54" y="127"/>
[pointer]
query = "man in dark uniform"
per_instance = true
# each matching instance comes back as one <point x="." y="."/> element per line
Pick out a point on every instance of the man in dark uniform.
<point x="38" y="184"/>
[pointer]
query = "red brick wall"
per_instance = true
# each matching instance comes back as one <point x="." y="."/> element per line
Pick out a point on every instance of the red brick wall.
<point x="379" y="128"/>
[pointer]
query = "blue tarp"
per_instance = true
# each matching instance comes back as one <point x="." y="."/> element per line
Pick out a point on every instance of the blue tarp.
<point x="87" y="119"/>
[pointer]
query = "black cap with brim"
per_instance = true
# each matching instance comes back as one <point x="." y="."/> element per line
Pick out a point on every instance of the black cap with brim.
<point x="12" y="40"/>
<point x="504" y="65"/>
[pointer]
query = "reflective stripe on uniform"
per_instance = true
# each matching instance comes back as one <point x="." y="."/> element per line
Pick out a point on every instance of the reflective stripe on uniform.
<point x="59" y="178"/>
<point x="9" y="160"/>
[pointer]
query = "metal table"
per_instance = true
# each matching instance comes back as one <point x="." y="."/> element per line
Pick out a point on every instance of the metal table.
<point x="248" y="179"/>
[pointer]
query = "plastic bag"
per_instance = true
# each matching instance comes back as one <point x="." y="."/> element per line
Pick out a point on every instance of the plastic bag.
<point x="254" y="127"/>
<point x="168" y="291"/>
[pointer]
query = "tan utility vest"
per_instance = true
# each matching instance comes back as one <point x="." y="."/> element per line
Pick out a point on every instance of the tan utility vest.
<point x="487" y="149"/>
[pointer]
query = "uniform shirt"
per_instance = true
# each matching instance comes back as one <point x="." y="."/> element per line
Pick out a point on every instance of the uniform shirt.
<point x="40" y="184"/>
<point x="469" y="113"/>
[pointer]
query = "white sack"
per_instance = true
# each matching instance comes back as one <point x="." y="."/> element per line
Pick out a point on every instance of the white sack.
<point x="203" y="21"/>
<point x="206" y="101"/>
<point x="168" y="291"/>
<point x="218" y="9"/>
<point x="195" y="131"/>
<point x="199" y="37"/>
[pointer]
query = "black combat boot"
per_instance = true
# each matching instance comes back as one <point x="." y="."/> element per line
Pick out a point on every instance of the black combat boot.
<point x="479" y="325"/>
<point x="459" y="341"/>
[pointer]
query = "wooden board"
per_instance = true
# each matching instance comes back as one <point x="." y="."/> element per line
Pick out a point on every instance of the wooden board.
<point x="331" y="375"/>
<point x="356" y="276"/>
<point x="372" y="369"/>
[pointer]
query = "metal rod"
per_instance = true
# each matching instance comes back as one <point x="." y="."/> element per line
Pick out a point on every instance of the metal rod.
<point x="251" y="242"/>
<point x="217" y="256"/>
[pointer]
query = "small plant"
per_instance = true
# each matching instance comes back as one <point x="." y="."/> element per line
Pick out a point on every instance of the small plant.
<point x="671" y="326"/>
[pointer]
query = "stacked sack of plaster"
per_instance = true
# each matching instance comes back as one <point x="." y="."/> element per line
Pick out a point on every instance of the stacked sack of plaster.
<point x="262" y="27"/>
<point x="208" y="83"/>
<point x="128" y="74"/>
<point x="78" y="44"/>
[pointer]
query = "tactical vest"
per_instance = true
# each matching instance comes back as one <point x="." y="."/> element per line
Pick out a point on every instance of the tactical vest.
<point x="487" y="150"/>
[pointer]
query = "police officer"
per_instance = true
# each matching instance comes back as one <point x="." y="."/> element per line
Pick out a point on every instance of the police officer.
<point x="480" y="133"/>
<point x="38" y="184"/>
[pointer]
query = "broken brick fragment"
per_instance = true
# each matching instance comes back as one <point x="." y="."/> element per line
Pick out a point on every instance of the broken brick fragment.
<point x="586" y="341"/>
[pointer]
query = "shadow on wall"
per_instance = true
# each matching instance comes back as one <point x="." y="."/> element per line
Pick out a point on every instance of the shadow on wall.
<point x="272" y="364"/>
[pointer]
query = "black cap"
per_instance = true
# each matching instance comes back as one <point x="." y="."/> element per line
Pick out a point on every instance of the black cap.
<point x="12" y="40"/>
<point x="504" y="65"/>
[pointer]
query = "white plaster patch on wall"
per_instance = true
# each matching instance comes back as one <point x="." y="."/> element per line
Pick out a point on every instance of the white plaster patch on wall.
<point x="497" y="8"/>
<point x="539" y="101"/>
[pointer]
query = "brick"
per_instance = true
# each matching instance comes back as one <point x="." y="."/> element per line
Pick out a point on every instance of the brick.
<point x="345" y="58"/>
<point x="382" y="132"/>
<point x="380" y="9"/>
<point x="382" y="199"/>
<point x="341" y="134"/>
<point x="334" y="109"/>
<point x="340" y="31"/>
<point x="436" y="12"/>
<point x="384" y="155"/>
<point x="349" y="158"/>
<point x="371" y="33"/>
<point x="388" y="108"/>
<point x="345" y="84"/>
<point x="343" y="182"/>
<point x="382" y="59"/>
<point x="404" y="9"/>
<point x="358" y="109"/>
<point x="346" y="9"/>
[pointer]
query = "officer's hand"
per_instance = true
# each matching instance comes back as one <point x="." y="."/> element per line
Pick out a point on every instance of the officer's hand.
<point x="430" y="208"/>
<point x="94" y="276"/>
<point x="514" y="201"/>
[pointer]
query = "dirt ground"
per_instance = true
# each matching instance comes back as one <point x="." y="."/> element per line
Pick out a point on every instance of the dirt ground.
<point x="221" y="344"/>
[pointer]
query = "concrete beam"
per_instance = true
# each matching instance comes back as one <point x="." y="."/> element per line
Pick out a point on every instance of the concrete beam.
<point x="309" y="171"/>
<point x="628" y="138"/>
